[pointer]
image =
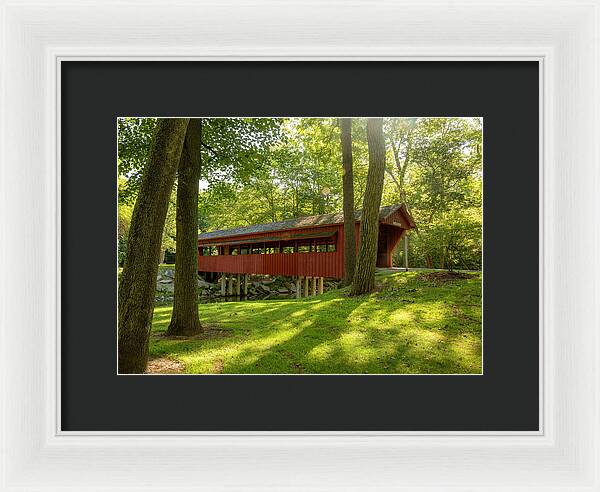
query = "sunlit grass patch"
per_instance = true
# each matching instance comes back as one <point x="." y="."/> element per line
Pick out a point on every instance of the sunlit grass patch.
<point x="410" y="325"/>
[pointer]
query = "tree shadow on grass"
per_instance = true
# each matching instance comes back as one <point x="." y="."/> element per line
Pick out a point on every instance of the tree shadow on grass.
<point x="322" y="347"/>
<point x="426" y="333"/>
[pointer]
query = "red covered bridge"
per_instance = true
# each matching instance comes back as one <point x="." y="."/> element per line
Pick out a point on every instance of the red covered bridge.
<point x="309" y="247"/>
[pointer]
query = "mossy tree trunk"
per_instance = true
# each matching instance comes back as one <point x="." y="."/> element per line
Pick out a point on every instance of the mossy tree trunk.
<point x="184" y="319"/>
<point x="137" y="286"/>
<point x="364" y="276"/>
<point x="348" y="182"/>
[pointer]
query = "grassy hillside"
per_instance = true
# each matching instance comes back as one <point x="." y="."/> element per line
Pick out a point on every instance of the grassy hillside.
<point x="416" y="323"/>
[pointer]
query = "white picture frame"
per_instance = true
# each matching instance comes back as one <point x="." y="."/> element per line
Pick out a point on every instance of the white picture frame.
<point x="561" y="35"/>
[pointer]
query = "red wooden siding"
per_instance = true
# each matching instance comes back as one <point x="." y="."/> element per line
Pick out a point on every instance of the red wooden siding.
<point x="389" y="236"/>
<point x="288" y="264"/>
<point x="313" y="264"/>
<point x="330" y="264"/>
<point x="397" y="219"/>
<point x="391" y="230"/>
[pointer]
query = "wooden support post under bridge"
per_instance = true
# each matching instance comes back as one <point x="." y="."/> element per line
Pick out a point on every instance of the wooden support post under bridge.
<point x="298" y="287"/>
<point x="320" y="285"/>
<point x="223" y="280"/>
<point x="230" y="286"/>
<point x="314" y="286"/>
<point x="245" y="285"/>
<point x="306" y="286"/>
<point x="238" y="287"/>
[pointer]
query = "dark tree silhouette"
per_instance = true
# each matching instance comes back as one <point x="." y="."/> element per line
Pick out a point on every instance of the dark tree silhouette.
<point x="348" y="181"/>
<point x="184" y="319"/>
<point x="364" y="276"/>
<point x="138" y="279"/>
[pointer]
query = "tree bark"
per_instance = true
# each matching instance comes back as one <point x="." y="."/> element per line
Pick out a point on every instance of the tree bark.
<point x="348" y="181"/>
<point x="138" y="279"/>
<point x="184" y="318"/>
<point x="364" y="276"/>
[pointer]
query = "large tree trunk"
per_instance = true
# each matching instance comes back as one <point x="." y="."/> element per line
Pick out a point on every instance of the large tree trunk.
<point x="349" y="228"/>
<point x="364" y="276"/>
<point x="138" y="279"/>
<point x="184" y="319"/>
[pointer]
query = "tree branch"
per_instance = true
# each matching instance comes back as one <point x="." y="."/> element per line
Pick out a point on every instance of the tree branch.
<point x="391" y="174"/>
<point x="210" y="149"/>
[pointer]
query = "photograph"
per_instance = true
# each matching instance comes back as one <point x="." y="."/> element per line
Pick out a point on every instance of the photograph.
<point x="300" y="245"/>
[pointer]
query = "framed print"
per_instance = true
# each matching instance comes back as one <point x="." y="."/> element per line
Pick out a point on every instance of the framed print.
<point x="476" y="369"/>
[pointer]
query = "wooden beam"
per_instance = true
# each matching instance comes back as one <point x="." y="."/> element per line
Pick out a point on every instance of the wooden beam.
<point x="230" y="286"/>
<point x="306" y="286"/>
<point x="245" y="284"/>
<point x="238" y="286"/>
<point x="320" y="285"/>
<point x="298" y="287"/>
<point x="314" y="286"/>
<point x="223" y="280"/>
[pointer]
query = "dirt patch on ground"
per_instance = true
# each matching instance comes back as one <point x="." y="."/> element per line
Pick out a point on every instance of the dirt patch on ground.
<point x="217" y="367"/>
<point x="439" y="277"/>
<point x="209" y="332"/>
<point x="162" y="365"/>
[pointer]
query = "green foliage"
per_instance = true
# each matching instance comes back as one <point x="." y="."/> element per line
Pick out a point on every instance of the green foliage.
<point x="298" y="176"/>
<point x="435" y="166"/>
<point x="448" y="165"/>
<point x="235" y="149"/>
<point x="170" y="229"/>
<point x="451" y="241"/>
<point x="134" y="139"/>
<point x="234" y="152"/>
<point x="412" y="325"/>
<point x="258" y="170"/>
<point x="125" y="212"/>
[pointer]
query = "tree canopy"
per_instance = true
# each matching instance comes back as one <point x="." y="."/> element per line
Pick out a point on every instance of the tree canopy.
<point x="257" y="170"/>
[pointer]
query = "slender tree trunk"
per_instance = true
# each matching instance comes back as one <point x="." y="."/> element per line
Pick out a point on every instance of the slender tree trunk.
<point x="138" y="279"/>
<point x="364" y="276"/>
<point x="184" y="318"/>
<point x="349" y="227"/>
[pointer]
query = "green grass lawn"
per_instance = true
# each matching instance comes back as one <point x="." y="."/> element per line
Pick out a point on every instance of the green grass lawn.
<point x="413" y="324"/>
